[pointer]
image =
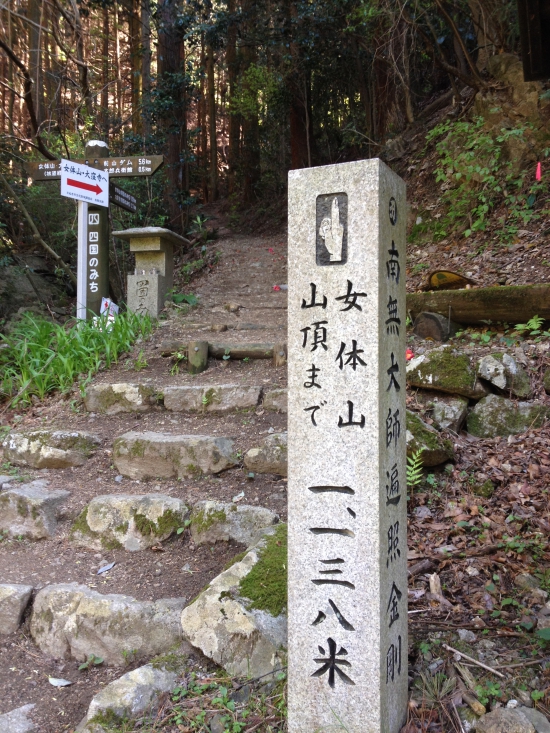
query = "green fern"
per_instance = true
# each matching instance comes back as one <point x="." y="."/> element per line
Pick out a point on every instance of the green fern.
<point x="414" y="469"/>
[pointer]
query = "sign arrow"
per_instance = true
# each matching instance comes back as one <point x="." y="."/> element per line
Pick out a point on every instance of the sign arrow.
<point x="86" y="186"/>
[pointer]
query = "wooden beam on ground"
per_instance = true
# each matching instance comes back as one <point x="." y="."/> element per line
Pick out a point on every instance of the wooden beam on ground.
<point x="510" y="304"/>
<point x="219" y="350"/>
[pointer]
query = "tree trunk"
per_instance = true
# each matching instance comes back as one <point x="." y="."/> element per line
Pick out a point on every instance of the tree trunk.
<point x="105" y="73"/>
<point x="169" y="65"/>
<point x="203" y="150"/>
<point x="117" y="65"/>
<point x="212" y="124"/>
<point x="251" y="124"/>
<point x="134" y="32"/>
<point x="146" y="65"/>
<point x="234" y="119"/>
<point x="34" y="12"/>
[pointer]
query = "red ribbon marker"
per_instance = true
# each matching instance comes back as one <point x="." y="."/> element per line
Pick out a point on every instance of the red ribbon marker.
<point x="86" y="186"/>
<point x="538" y="174"/>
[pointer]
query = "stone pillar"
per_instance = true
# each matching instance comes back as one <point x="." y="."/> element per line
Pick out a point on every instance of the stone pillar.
<point x="154" y="273"/>
<point x="347" y="450"/>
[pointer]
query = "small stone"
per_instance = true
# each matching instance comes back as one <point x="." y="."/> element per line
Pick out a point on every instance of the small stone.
<point x="271" y="457"/>
<point x="502" y="371"/>
<point x="213" y="521"/>
<point x="49" y="448"/>
<point x="466" y="635"/>
<point x="30" y="510"/>
<point x="511" y="704"/>
<point x="422" y="512"/>
<point x="503" y="720"/>
<point x="13" y="602"/>
<point x="526" y="581"/>
<point x="119" y="479"/>
<point x="472" y="572"/>
<point x="420" y="436"/>
<point x="539" y="596"/>
<point x="18" y="721"/>
<point x="112" y="399"/>
<point x="157" y="455"/>
<point x="158" y="572"/>
<point x="479" y="623"/>
<point x="133" y="693"/>
<point x="497" y="416"/>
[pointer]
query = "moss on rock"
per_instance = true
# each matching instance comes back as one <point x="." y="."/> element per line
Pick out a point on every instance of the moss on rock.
<point x="203" y="519"/>
<point x="265" y="586"/>
<point x="447" y="370"/>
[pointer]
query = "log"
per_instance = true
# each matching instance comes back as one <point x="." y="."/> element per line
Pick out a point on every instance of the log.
<point x="510" y="303"/>
<point x="279" y="355"/>
<point x="169" y="348"/>
<point x="434" y="326"/>
<point x="197" y="357"/>
<point x="241" y="351"/>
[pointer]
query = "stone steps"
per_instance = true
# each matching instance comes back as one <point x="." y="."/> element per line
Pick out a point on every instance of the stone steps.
<point x="111" y="399"/>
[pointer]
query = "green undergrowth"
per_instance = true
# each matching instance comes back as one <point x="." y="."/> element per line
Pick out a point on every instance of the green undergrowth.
<point x="266" y="584"/>
<point x="43" y="357"/>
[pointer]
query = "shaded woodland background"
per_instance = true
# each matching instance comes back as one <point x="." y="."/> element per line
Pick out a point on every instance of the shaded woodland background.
<point x="234" y="93"/>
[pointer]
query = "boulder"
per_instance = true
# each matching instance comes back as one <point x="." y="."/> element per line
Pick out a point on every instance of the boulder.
<point x="494" y="415"/>
<point x="13" y="602"/>
<point x="30" y="510"/>
<point x="420" y="436"/>
<point x="536" y="718"/>
<point x="132" y="694"/>
<point x="156" y="455"/>
<point x="128" y="521"/>
<point x="71" y="620"/>
<point x="110" y="399"/>
<point x="213" y="521"/>
<point x="18" y="721"/>
<point x="446" y="370"/>
<point x="507" y="67"/>
<point x="448" y="412"/>
<point x="49" y="448"/>
<point x="239" y="620"/>
<point x="502" y="371"/>
<point x="276" y="400"/>
<point x="504" y="720"/>
<point x="271" y="457"/>
<point x="211" y="398"/>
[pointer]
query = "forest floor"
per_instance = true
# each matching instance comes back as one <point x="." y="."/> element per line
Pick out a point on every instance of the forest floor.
<point x="476" y="545"/>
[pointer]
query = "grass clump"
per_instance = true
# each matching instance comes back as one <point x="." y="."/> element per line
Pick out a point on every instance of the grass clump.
<point x="43" y="357"/>
<point x="266" y="584"/>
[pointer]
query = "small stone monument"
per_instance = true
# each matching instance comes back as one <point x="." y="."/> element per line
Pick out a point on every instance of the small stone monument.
<point x="154" y="273"/>
<point x="347" y="450"/>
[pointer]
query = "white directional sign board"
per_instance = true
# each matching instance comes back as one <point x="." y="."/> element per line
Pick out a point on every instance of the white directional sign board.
<point x="83" y="183"/>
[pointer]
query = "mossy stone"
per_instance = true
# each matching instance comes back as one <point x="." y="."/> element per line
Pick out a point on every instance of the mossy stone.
<point x="203" y="520"/>
<point x="497" y="416"/>
<point x="447" y="370"/>
<point x="486" y="489"/>
<point x="265" y="586"/>
<point x="435" y="449"/>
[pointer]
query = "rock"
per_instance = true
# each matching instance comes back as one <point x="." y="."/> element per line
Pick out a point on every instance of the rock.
<point x="271" y="457"/>
<point x="276" y="400"/>
<point x="5" y="480"/>
<point x="466" y="635"/>
<point x="13" y="602"/>
<point x="536" y="718"/>
<point x="18" y="721"/>
<point x="156" y="455"/>
<point x="504" y="720"/>
<point x="211" y="398"/>
<point x="434" y="326"/>
<point x="495" y="415"/>
<point x="467" y="717"/>
<point x="436" y="450"/>
<point x="486" y="489"/>
<point x="213" y="521"/>
<point x="49" y="448"/>
<point x="546" y="381"/>
<point x="133" y="693"/>
<point x="30" y="510"/>
<point x="71" y="620"/>
<point x="447" y="370"/>
<point x="502" y="371"/>
<point x="448" y="412"/>
<point x="246" y="637"/>
<point x="129" y="521"/>
<point x="507" y="67"/>
<point x="526" y="581"/>
<point x="110" y="399"/>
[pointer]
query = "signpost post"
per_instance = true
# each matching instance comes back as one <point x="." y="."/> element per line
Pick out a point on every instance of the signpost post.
<point x="88" y="182"/>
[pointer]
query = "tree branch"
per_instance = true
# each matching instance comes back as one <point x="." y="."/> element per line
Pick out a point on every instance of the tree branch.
<point x="29" y="103"/>
<point x="35" y="231"/>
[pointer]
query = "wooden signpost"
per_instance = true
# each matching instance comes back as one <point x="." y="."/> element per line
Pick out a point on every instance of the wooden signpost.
<point x="88" y="181"/>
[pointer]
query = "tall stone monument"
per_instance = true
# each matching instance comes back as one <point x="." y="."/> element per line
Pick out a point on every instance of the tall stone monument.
<point x="346" y="450"/>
